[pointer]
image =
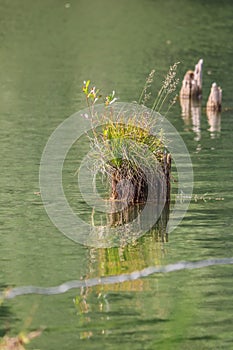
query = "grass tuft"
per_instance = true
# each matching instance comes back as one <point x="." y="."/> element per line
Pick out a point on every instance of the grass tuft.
<point x="118" y="145"/>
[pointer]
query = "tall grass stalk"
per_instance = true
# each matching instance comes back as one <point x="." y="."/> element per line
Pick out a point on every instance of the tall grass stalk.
<point x="145" y="96"/>
<point x="169" y="85"/>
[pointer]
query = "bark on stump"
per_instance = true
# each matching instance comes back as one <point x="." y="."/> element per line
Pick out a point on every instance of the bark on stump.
<point x="130" y="184"/>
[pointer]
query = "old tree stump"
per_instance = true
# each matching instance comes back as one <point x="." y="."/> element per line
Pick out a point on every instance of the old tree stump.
<point x="190" y="101"/>
<point x="214" y="102"/>
<point x="130" y="184"/>
<point x="192" y="83"/>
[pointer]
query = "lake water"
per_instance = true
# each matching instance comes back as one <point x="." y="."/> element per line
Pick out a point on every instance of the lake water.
<point x="47" y="49"/>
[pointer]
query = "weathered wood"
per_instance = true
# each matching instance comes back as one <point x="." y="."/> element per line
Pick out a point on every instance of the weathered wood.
<point x="167" y="172"/>
<point x="215" y="98"/>
<point x="192" y="83"/>
<point x="130" y="184"/>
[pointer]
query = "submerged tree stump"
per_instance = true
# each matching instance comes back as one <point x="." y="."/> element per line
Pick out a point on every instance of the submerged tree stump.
<point x="192" y="83"/>
<point x="130" y="184"/>
<point x="214" y="102"/>
<point x="213" y="109"/>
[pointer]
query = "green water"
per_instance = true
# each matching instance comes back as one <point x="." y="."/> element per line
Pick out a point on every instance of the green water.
<point x="47" y="49"/>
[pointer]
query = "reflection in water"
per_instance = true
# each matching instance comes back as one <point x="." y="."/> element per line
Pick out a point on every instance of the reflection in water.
<point x="123" y="223"/>
<point x="214" y="120"/>
<point x="129" y="260"/>
<point x="141" y="252"/>
<point x="191" y="113"/>
<point x="147" y="250"/>
<point x="86" y="283"/>
<point x="5" y="316"/>
<point x="115" y="261"/>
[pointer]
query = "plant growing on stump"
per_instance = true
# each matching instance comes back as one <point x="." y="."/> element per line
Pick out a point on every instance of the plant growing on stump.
<point x="126" y="153"/>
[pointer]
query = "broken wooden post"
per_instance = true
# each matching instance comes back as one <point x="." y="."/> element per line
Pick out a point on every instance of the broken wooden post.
<point x="192" y="83"/>
<point x="214" y="102"/>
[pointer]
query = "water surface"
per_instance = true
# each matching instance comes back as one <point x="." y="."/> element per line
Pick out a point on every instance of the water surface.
<point x="46" y="50"/>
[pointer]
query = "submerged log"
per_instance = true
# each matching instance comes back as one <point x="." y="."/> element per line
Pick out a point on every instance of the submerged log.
<point x="192" y="83"/>
<point x="214" y="102"/>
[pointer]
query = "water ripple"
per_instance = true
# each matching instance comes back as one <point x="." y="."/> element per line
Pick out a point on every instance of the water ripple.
<point x="64" y="287"/>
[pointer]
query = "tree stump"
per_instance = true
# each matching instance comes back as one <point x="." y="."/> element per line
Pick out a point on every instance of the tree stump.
<point x="214" y="102"/>
<point x="192" y="83"/>
<point x="130" y="184"/>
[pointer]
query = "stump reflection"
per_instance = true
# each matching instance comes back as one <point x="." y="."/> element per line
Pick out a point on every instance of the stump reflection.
<point x="149" y="250"/>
